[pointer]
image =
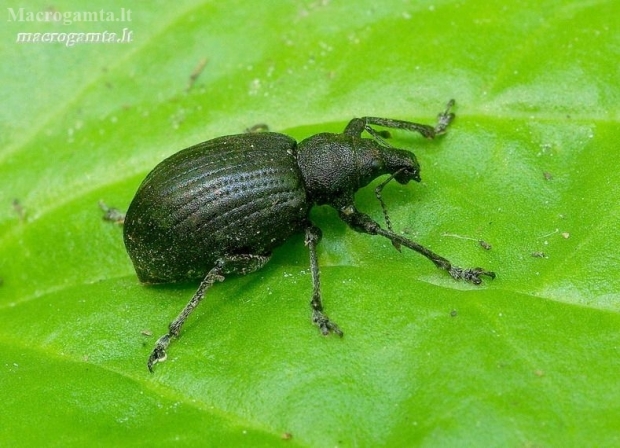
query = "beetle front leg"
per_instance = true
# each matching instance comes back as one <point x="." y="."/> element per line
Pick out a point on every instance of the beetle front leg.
<point x="313" y="236"/>
<point x="359" y="125"/>
<point x="365" y="224"/>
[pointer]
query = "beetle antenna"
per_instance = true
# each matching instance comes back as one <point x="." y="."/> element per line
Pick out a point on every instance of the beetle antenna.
<point x="378" y="191"/>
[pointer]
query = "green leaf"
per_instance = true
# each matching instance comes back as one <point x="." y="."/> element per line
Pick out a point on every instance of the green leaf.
<point x="529" y="166"/>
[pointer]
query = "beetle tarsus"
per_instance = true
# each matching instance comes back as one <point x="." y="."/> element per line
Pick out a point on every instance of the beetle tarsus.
<point x="444" y="119"/>
<point x="159" y="352"/>
<point x="470" y="275"/>
<point x="325" y="325"/>
<point x="112" y="214"/>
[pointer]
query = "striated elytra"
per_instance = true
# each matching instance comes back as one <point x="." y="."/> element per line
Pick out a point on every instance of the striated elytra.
<point x="223" y="205"/>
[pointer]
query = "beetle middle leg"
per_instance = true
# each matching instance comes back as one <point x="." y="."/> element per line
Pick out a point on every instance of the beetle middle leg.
<point x="233" y="264"/>
<point x="361" y="222"/>
<point x="313" y="236"/>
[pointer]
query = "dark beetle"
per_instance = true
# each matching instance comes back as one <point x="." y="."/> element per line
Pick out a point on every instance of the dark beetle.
<point x="222" y="206"/>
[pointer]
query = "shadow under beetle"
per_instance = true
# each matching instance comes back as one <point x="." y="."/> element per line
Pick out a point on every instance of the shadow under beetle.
<point x="222" y="206"/>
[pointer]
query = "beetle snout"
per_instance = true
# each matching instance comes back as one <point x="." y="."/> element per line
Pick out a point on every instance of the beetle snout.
<point x="407" y="174"/>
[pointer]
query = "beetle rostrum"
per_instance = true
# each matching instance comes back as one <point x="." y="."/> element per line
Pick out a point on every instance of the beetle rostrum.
<point x="221" y="206"/>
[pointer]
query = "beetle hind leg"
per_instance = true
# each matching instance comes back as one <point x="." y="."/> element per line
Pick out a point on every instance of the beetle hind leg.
<point x="233" y="264"/>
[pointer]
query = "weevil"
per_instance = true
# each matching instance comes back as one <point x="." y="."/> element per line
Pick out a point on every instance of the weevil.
<point x="220" y="207"/>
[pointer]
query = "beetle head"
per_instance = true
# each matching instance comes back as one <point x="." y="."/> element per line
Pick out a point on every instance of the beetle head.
<point x="335" y="166"/>
<point x="403" y="165"/>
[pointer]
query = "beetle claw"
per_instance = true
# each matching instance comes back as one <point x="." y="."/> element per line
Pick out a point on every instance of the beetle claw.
<point x="325" y="325"/>
<point x="470" y="275"/>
